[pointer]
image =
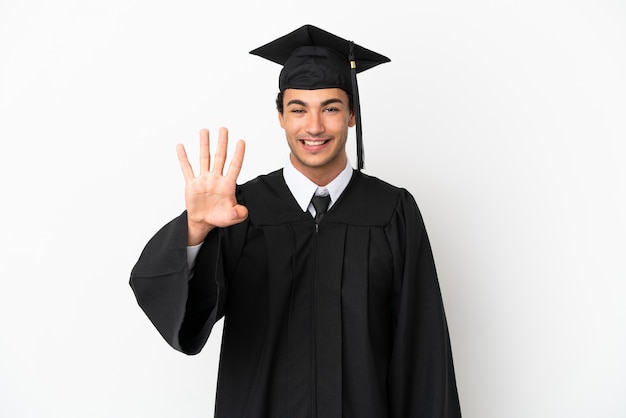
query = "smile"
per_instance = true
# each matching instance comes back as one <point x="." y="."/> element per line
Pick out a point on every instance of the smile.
<point x="314" y="143"/>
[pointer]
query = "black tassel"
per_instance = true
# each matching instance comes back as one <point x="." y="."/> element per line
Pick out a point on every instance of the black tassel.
<point x="357" y="110"/>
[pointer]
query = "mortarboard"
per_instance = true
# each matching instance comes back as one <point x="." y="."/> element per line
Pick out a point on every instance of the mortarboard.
<point x="315" y="59"/>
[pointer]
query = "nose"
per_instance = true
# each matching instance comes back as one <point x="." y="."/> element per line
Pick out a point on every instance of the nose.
<point x="314" y="124"/>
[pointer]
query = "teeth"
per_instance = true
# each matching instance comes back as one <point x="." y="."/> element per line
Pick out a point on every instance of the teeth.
<point x="313" y="143"/>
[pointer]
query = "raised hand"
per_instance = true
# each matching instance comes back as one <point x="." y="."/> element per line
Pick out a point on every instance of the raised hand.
<point x="210" y="197"/>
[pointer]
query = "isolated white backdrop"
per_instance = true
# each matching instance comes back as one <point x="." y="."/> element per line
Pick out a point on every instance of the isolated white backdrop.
<point x="506" y="120"/>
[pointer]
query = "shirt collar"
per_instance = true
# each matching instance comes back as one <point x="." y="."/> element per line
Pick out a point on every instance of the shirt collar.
<point x="303" y="189"/>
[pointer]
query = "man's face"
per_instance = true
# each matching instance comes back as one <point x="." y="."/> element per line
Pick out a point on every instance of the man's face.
<point x="316" y="124"/>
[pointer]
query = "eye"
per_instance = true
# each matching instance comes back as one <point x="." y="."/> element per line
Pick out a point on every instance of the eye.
<point x="331" y="109"/>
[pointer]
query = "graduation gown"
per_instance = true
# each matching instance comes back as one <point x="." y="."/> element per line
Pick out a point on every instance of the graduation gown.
<point x="340" y="319"/>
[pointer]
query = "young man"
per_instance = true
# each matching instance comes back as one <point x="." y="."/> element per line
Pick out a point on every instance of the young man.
<point x="324" y="276"/>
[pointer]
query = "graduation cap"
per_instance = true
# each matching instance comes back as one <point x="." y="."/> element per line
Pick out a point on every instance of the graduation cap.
<point x="315" y="59"/>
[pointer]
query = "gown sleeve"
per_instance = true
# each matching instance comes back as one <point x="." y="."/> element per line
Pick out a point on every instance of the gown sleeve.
<point x="421" y="380"/>
<point x="183" y="307"/>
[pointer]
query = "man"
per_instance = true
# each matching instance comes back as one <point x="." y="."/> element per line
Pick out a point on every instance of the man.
<point x="324" y="275"/>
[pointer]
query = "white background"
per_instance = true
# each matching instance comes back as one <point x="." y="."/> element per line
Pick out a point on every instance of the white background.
<point x="505" y="119"/>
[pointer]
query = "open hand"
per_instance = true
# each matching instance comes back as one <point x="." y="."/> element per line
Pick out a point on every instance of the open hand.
<point x="210" y="197"/>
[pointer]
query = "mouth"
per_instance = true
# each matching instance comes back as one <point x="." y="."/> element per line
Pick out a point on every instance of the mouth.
<point x="314" y="142"/>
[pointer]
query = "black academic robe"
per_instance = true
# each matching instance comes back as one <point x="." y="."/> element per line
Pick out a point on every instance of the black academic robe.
<point x="340" y="319"/>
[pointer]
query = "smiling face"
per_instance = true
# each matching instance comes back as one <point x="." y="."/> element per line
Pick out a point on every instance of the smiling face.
<point x="316" y="124"/>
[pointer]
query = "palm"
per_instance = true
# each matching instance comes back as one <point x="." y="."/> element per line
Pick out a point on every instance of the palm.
<point x="210" y="198"/>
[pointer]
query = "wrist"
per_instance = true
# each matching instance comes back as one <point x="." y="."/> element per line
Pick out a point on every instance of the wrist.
<point x="197" y="232"/>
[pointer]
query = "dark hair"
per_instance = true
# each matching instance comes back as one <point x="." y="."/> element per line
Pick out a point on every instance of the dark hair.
<point x="280" y="107"/>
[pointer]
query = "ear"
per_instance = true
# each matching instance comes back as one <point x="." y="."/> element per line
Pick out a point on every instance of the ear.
<point x="352" y="120"/>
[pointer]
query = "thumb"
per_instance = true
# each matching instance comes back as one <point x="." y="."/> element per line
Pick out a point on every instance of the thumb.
<point x="239" y="213"/>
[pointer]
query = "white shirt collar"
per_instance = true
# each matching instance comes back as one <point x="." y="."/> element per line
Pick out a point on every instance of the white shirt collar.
<point x="303" y="189"/>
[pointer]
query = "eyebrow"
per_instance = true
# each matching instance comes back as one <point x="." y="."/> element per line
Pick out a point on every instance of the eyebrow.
<point x="324" y="103"/>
